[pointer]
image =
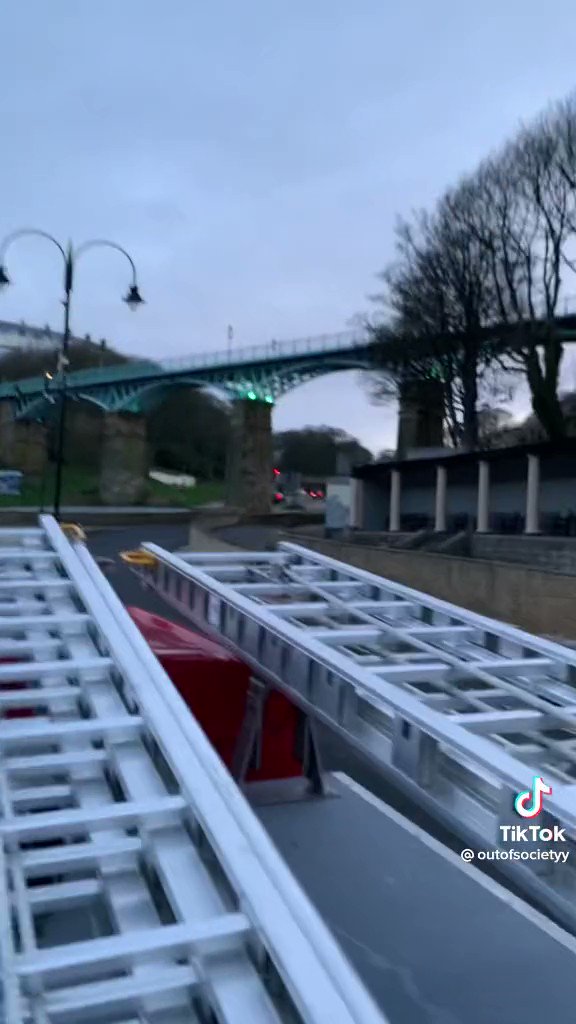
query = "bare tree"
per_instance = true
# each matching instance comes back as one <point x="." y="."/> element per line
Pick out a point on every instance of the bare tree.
<point x="495" y="423"/>
<point x="522" y="219"/>
<point x="480" y="282"/>
<point x="437" y="294"/>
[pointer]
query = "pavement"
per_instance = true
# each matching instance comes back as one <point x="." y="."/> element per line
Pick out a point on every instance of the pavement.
<point x="105" y="510"/>
<point x="198" y="540"/>
<point x="248" y="536"/>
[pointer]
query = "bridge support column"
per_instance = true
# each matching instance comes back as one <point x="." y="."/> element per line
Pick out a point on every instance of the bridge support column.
<point x="124" y="460"/>
<point x="249" y="477"/>
<point x="420" y="416"/>
<point x="23" y="443"/>
<point x="31" y="447"/>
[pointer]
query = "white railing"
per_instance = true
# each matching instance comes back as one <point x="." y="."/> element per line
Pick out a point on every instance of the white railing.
<point x="270" y="352"/>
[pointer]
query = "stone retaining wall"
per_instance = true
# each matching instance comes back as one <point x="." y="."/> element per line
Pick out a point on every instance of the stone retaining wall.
<point x="538" y="601"/>
<point x="552" y="553"/>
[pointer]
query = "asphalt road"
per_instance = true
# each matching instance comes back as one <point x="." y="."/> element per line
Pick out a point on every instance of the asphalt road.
<point x="109" y="543"/>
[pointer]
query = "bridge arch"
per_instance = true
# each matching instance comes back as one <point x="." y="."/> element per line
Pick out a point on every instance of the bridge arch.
<point x="263" y="374"/>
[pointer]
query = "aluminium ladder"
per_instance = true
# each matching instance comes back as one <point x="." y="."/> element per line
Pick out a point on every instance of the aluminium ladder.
<point x="136" y="885"/>
<point x="459" y="710"/>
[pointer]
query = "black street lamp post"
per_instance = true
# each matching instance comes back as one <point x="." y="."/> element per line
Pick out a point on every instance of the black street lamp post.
<point x="70" y="256"/>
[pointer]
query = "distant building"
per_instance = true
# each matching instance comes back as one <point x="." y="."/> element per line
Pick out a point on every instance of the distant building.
<point x="526" y="488"/>
<point x="23" y="335"/>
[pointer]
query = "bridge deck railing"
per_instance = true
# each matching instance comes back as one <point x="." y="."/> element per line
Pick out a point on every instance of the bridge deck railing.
<point x="270" y="352"/>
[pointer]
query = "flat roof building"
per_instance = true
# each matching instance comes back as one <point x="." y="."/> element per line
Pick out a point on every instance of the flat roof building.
<point x="528" y="488"/>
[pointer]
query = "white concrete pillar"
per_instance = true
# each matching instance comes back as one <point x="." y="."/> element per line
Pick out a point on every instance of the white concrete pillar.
<point x="532" y="524"/>
<point x="440" y="513"/>
<point x="394" y="501"/>
<point x="482" y="516"/>
<point x="357" y="494"/>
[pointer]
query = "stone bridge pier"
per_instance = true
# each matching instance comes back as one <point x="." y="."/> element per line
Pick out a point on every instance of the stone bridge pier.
<point x="23" y="443"/>
<point x="124" y="457"/>
<point x="420" y="416"/>
<point x="249" y="470"/>
<point x="124" y="460"/>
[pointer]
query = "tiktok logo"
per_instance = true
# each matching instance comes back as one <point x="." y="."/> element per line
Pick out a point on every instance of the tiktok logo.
<point x="529" y="803"/>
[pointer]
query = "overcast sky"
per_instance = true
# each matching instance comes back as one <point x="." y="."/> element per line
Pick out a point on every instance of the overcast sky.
<point x="252" y="156"/>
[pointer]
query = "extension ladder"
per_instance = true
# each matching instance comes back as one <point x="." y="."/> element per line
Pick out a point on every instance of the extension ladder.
<point x="459" y="710"/>
<point x="136" y="885"/>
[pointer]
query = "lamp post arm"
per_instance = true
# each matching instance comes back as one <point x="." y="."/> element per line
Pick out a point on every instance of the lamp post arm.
<point x="97" y="243"/>
<point x="22" y="233"/>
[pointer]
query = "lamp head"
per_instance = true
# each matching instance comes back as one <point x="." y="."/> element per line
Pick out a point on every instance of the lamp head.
<point x="4" y="279"/>
<point x="133" y="299"/>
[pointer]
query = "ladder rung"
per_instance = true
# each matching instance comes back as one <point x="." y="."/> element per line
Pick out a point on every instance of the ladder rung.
<point x="26" y="670"/>
<point x="23" y="608"/>
<point x="22" y="533"/>
<point x="511" y="666"/>
<point x="13" y="623"/>
<point x="65" y="894"/>
<point x="298" y="608"/>
<point x="40" y="796"/>
<point x="77" y="855"/>
<point x="215" y="558"/>
<point x="27" y="554"/>
<point x="47" y="763"/>
<point x="348" y="585"/>
<point x="16" y="648"/>
<point x="499" y="721"/>
<point x="118" y="992"/>
<point x="407" y="671"/>
<point x="36" y="585"/>
<point x="438" y="631"/>
<point x="61" y="823"/>
<point x="359" y="634"/>
<point x="177" y="938"/>
<point x="88" y="728"/>
<point x="37" y="696"/>
<point x="385" y="606"/>
<point x="270" y="589"/>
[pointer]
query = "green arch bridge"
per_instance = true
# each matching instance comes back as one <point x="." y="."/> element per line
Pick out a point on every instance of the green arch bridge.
<point x="255" y="377"/>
